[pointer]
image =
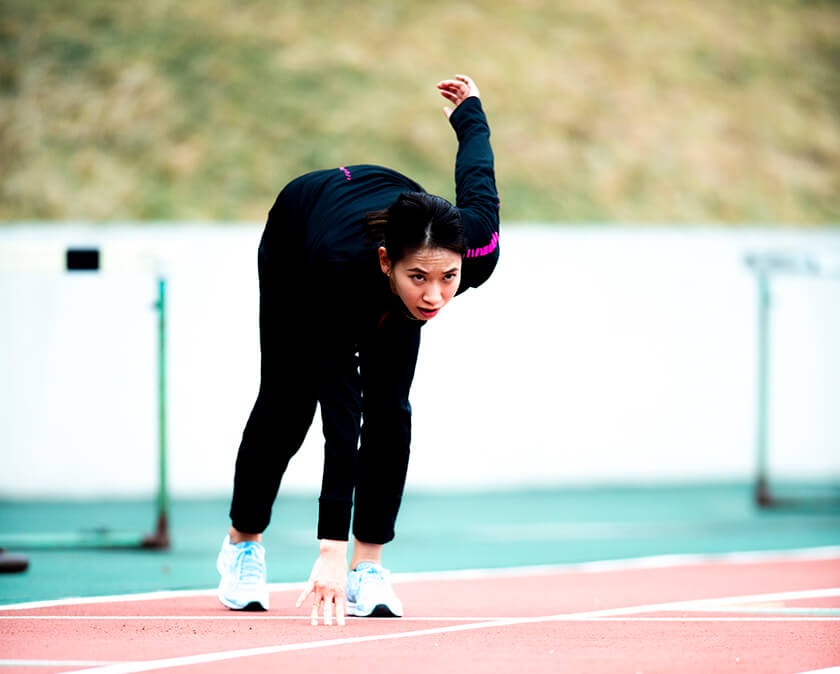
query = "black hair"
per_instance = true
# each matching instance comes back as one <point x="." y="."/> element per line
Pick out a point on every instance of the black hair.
<point x="416" y="220"/>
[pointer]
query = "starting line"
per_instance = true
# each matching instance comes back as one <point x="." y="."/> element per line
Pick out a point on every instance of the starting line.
<point x="603" y="566"/>
<point x="613" y="615"/>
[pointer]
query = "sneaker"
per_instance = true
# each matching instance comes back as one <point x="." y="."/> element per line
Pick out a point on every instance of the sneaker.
<point x="243" y="586"/>
<point x="369" y="593"/>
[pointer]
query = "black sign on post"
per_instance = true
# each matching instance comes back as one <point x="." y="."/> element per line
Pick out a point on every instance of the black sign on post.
<point x="82" y="259"/>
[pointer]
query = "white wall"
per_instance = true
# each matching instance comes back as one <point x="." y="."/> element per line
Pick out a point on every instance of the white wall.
<point x="620" y="355"/>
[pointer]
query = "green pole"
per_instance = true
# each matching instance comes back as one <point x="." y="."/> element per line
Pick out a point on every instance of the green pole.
<point x="762" y="490"/>
<point x="104" y="537"/>
<point x="160" y="539"/>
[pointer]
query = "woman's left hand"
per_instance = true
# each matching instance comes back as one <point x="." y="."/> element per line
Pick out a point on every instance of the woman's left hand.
<point x="457" y="90"/>
<point x="327" y="583"/>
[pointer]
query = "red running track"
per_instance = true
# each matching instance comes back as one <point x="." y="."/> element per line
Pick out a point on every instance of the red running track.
<point x="734" y="614"/>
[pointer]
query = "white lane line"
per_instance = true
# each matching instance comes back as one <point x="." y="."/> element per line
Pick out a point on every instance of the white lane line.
<point x="150" y="665"/>
<point x="811" y="614"/>
<point x="108" y="599"/>
<point x="249" y="618"/>
<point x="780" y="611"/>
<point x="707" y="619"/>
<point x="55" y="663"/>
<point x="130" y="668"/>
<point x="652" y="562"/>
<point x="741" y="602"/>
<point x="704" y="604"/>
<point x="722" y="604"/>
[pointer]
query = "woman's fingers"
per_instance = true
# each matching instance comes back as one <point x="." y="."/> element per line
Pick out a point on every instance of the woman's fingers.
<point x="325" y="600"/>
<point x="339" y="610"/>
<point x="456" y="91"/>
<point x="310" y="587"/>
<point x="452" y="97"/>
<point x="453" y="89"/>
<point x="327" y="583"/>
<point x="329" y="601"/>
<point x="467" y="80"/>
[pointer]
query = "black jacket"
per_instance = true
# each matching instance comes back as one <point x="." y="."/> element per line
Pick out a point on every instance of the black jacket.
<point x="317" y="225"/>
<point x="350" y="338"/>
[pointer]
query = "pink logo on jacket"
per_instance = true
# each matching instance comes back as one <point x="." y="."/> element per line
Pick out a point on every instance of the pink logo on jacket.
<point x="484" y="250"/>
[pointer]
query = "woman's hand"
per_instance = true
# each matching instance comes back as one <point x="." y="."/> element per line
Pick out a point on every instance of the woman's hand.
<point x="328" y="582"/>
<point x="456" y="91"/>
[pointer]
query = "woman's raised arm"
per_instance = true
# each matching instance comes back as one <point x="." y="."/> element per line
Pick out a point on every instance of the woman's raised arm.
<point x="476" y="195"/>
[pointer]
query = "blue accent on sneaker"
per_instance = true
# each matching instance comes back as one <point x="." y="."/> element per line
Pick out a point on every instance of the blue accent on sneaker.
<point x="369" y="592"/>
<point x="242" y="567"/>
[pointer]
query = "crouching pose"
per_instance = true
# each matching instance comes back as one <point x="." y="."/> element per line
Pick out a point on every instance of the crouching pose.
<point x="352" y="263"/>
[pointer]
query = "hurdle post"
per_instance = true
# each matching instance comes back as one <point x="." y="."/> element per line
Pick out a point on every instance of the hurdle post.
<point x="765" y="265"/>
<point x="762" y="490"/>
<point x="160" y="538"/>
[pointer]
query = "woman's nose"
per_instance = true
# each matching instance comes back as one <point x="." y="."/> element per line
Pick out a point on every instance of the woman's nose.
<point x="433" y="294"/>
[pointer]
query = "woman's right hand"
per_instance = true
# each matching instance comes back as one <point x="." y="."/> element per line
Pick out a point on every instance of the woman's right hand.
<point x="327" y="583"/>
<point x="457" y="90"/>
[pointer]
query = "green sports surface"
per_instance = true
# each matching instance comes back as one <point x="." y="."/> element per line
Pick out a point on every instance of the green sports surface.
<point x="435" y="531"/>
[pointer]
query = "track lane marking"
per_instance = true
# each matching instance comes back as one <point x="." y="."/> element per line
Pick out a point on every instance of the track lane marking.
<point x="56" y="663"/>
<point x="823" y="553"/>
<point x="617" y="613"/>
<point x="733" y="603"/>
<point x="716" y="604"/>
<point x="253" y="618"/>
<point x="802" y="615"/>
<point x="781" y="611"/>
<point x="712" y="619"/>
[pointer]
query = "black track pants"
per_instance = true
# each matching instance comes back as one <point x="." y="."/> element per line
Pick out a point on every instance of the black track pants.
<point x="299" y="369"/>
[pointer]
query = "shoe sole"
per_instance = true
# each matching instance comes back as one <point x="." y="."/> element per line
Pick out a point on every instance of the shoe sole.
<point x="254" y="605"/>
<point x="379" y="611"/>
<point x="382" y="611"/>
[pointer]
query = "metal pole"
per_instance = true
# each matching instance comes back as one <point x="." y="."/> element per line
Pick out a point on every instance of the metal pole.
<point x="762" y="491"/>
<point x="88" y="260"/>
<point x="160" y="539"/>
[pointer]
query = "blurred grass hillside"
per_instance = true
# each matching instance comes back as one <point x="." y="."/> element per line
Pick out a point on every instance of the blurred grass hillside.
<point x="654" y="111"/>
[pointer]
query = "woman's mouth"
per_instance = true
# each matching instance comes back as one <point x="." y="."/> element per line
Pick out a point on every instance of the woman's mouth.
<point x="428" y="313"/>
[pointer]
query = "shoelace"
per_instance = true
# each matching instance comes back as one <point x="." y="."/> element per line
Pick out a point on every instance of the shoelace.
<point x="360" y="578"/>
<point x="375" y="571"/>
<point x="370" y="573"/>
<point x="249" y="561"/>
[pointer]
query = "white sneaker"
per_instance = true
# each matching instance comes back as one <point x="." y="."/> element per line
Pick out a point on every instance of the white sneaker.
<point x="369" y="593"/>
<point x="243" y="586"/>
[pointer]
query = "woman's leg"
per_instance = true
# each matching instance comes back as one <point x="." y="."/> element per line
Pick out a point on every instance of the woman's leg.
<point x="283" y="411"/>
<point x="387" y="362"/>
<point x="365" y="552"/>
<point x="237" y="536"/>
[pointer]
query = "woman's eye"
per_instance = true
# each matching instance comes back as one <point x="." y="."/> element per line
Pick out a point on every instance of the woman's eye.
<point x="450" y="277"/>
<point x="418" y="277"/>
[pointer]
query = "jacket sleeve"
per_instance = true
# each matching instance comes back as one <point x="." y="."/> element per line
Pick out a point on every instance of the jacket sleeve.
<point x="476" y="196"/>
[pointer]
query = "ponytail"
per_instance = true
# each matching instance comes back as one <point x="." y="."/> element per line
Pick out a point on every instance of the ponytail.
<point x="416" y="220"/>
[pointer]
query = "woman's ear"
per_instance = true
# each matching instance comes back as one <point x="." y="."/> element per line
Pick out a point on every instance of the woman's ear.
<point x="384" y="261"/>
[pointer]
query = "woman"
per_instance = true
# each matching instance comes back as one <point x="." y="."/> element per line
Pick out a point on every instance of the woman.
<point x="352" y="263"/>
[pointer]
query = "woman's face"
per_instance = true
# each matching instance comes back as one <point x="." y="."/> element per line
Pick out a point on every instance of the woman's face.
<point x="425" y="279"/>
